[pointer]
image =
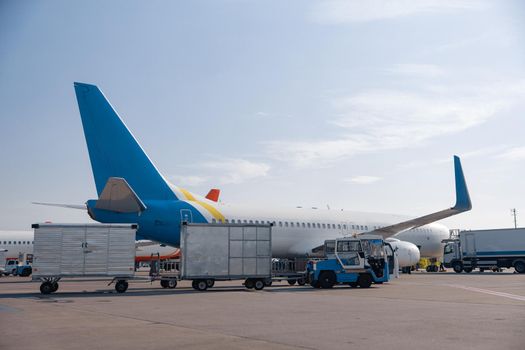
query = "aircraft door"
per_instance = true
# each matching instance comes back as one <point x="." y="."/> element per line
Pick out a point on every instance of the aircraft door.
<point x="345" y="229"/>
<point x="186" y="215"/>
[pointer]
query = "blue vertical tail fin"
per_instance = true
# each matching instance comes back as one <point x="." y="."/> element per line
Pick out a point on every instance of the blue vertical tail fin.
<point x="113" y="150"/>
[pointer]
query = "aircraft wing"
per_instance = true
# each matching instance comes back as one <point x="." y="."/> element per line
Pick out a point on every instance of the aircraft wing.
<point x="463" y="204"/>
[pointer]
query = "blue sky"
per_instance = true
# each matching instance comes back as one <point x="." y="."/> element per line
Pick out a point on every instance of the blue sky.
<point x="355" y="105"/>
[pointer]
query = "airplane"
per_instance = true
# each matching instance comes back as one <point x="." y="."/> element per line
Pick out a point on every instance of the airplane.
<point x="17" y="243"/>
<point x="132" y="190"/>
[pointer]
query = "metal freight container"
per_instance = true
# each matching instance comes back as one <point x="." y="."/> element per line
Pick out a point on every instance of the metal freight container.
<point x="73" y="250"/>
<point x="225" y="252"/>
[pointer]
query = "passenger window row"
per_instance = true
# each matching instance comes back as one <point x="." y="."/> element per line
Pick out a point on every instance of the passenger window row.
<point x="19" y="242"/>
<point x="298" y="224"/>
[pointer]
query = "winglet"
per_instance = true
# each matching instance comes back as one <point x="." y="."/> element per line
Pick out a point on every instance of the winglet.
<point x="463" y="202"/>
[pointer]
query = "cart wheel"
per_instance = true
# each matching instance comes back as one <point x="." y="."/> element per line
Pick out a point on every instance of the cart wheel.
<point x="291" y="282"/>
<point x="202" y="285"/>
<point x="46" y="288"/>
<point x="164" y="283"/>
<point x="301" y="281"/>
<point x="327" y="279"/>
<point x="249" y="283"/>
<point x="364" y="280"/>
<point x="259" y="284"/>
<point x="210" y="283"/>
<point x="55" y="286"/>
<point x="121" y="286"/>
<point x="172" y="283"/>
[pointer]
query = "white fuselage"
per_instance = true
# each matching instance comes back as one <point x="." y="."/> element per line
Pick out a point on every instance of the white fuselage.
<point x="297" y="231"/>
<point x="16" y="243"/>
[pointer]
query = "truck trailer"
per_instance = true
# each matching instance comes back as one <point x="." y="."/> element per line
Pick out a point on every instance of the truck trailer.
<point x="486" y="249"/>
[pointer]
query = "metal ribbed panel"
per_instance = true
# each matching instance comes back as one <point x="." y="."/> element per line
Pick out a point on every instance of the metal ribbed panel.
<point x="226" y="251"/>
<point x="84" y="250"/>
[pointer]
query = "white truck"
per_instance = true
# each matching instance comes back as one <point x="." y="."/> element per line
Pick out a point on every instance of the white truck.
<point x="486" y="249"/>
<point x="80" y="250"/>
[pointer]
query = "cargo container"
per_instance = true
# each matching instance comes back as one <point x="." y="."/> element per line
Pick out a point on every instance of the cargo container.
<point x="81" y="250"/>
<point x="213" y="252"/>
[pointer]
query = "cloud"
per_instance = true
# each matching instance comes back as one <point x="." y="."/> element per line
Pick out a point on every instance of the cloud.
<point x="235" y="171"/>
<point x="348" y="11"/>
<point x="189" y="180"/>
<point x="416" y="70"/>
<point x="383" y="119"/>
<point x="363" y="180"/>
<point x="513" y="154"/>
<point x="223" y="171"/>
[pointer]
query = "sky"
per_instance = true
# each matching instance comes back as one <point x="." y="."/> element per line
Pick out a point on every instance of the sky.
<point x="354" y="105"/>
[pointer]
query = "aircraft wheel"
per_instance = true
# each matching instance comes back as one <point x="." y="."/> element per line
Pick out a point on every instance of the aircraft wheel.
<point x="364" y="280"/>
<point x="259" y="284"/>
<point x="327" y="279"/>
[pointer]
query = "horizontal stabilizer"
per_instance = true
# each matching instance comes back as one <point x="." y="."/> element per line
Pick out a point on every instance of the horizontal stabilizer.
<point x="463" y="204"/>
<point x="69" y="206"/>
<point x="118" y="196"/>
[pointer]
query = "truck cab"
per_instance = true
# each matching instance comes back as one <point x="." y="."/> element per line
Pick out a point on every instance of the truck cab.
<point x="354" y="261"/>
<point x="452" y="254"/>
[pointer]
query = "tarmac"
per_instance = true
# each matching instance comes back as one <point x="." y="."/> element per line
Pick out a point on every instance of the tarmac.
<point x="417" y="311"/>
